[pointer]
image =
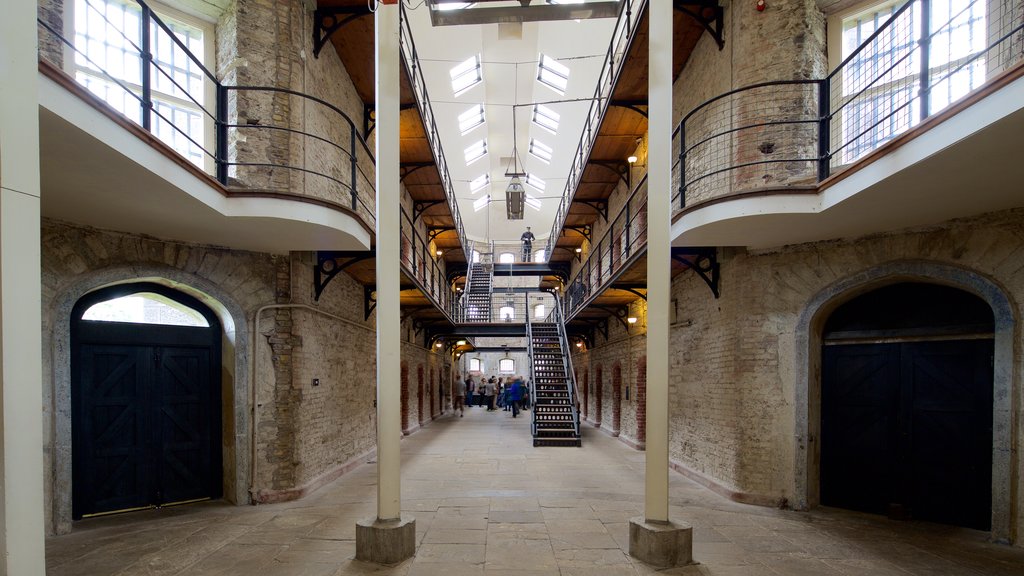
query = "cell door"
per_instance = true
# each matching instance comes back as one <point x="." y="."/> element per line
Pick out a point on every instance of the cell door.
<point x="907" y="430"/>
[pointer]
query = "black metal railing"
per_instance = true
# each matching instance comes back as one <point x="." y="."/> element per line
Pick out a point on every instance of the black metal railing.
<point x="216" y="126"/>
<point x="424" y="266"/>
<point x="419" y="87"/>
<point x="570" y="373"/>
<point x="622" y="242"/>
<point x="791" y="133"/>
<point x="622" y="37"/>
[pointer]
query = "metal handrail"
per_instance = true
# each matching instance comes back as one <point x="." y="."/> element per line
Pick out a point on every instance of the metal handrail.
<point x="622" y="37"/>
<point x="830" y="115"/>
<point x="570" y="374"/>
<point x="407" y="47"/>
<point x="533" y="376"/>
<point x="144" y="94"/>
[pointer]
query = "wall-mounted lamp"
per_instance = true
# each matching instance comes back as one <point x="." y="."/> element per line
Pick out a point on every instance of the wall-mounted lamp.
<point x="440" y="252"/>
<point x="439" y="344"/>
<point x="631" y="159"/>
<point x="631" y="319"/>
<point x="579" y="250"/>
<point x="460" y="343"/>
<point x="579" y="344"/>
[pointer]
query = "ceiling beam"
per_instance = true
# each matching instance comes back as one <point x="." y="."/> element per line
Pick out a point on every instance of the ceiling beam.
<point x="519" y="14"/>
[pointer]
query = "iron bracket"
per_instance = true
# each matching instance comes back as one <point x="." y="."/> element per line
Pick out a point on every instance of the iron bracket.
<point x="708" y="14"/>
<point x="407" y="168"/>
<point x="703" y="261"/>
<point x="421" y="206"/>
<point x="433" y="233"/>
<point x="600" y="206"/>
<point x="634" y="105"/>
<point x="581" y="230"/>
<point x="631" y="290"/>
<point x="327" y="21"/>
<point x="621" y="169"/>
<point x="327" y="267"/>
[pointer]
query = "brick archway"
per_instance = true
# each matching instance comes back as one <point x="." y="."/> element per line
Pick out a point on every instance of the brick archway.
<point x="598" y="393"/>
<point x="419" y="394"/>
<point x="616" y="397"/>
<point x="586" y="394"/>
<point x="641" y="400"/>
<point x="404" y="380"/>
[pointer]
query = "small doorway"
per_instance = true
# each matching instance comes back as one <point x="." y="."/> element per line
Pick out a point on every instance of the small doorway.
<point x="145" y="400"/>
<point x="907" y="405"/>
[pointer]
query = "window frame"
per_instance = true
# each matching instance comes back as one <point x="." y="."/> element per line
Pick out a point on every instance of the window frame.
<point x="510" y="370"/>
<point x="169" y="15"/>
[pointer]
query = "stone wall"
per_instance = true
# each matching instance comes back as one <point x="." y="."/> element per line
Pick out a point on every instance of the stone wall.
<point x="735" y="384"/>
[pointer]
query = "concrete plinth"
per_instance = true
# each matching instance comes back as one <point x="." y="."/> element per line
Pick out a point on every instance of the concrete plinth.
<point x="385" y="541"/>
<point x="662" y="545"/>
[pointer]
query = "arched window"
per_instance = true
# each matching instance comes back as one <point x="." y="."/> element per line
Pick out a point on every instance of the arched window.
<point x="476" y="257"/>
<point x="475" y="365"/>
<point x="506" y="365"/>
<point x="538" y="311"/>
<point x="145" y="308"/>
<point x="538" y="256"/>
<point x="507" y="313"/>
<point x="507" y="258"/>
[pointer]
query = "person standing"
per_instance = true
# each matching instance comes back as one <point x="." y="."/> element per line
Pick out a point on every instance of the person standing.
<point x="515" y="394"/>
<point x="470" y="388"/>
<point x="460" y="396"/>
<point x="489" y="393"/>
<point x="527" y="239"/>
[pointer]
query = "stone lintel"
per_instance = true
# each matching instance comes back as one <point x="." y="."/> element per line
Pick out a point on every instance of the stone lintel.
<point x="660" y="544"/>
<point x="385" y="541"/>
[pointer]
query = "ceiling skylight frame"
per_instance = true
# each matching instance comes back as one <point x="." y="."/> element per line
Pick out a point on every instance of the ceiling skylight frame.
<point x="466" y="75"/>
<point x="475" y="151"/>
<point x="532" y="201"/>
<point x="553" y="74"/>
<point x="546" y="118"/>
<point x="471" y="119"/>
<point x="535" y="182"/>
<point x="479" y="183"/>
<point x="481" y="203"/>
<point x="541" y="151"/>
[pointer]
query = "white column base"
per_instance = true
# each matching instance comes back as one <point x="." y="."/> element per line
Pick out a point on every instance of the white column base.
<point x="663" y="545"/>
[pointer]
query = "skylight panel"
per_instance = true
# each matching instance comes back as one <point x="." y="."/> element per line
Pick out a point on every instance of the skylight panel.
<point x="540" y="150"/>
<point x="471" y="118"/>
<point x="553" y="74"/>
<point x="475" y="151"/>
<point x="479" y="183"/>
<point x="466" y="75"/>
<point x="536" y="182"/>
<point x="533" y="202"/>
<point x="481" y="203"/>
<point x="546" y="118"/>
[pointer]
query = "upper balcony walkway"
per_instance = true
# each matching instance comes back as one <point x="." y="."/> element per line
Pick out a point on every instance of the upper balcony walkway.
<point x="906" y="131"/>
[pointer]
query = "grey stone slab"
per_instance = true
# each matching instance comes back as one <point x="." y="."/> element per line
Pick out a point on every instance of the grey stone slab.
<point x="459" y="553"/>
<point x="508" y="517"/>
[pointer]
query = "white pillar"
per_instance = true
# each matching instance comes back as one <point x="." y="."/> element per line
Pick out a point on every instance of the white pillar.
<point x="659" y="182"/>
<point x="21" y="506"/>
<point x="389" y="344"/>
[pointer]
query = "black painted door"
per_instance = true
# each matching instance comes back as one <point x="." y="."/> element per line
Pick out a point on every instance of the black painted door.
<point x="907" y="429"/>
<point x="145" y="418"/>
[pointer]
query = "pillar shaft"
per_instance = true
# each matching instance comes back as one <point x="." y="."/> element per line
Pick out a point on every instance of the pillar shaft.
<point x="659" y="179"/>
<point x="389" y="343"/>
<point x="21" y="506"/>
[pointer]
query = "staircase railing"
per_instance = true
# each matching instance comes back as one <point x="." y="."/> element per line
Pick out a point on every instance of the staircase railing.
<point x="532" y="390"/>
<point x="570" y="375"/>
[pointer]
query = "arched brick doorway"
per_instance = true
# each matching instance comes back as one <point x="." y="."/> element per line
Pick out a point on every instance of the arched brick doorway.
<point x="616" y="397"/>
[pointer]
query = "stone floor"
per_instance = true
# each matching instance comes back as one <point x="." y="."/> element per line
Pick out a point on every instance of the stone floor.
<point x="487" y="502"/>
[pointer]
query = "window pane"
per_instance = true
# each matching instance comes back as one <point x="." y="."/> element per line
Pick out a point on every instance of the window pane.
<point x="145" y="308"/>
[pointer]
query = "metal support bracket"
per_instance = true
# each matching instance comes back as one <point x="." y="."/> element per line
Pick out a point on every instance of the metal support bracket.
<point x="621" y="169"/>
<point x="703" y="261"/>
<point x="407" y="168"/>
<point x="369" y="301"/>
<point x="708" y="14"/>
<point x="327" y="21"/>
<point x="600" y="206"/>
<point x="634" y="105"/>
<point x="327" y="267"/>
<point x="433" y="233"/>
<point x="581" y="230"/>
<point x="630" y="289"/>
<point x="619" y="313"/>
<point x="421" y="206"/>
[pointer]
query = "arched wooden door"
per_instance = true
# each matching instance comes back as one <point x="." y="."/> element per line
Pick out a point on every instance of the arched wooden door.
<point x="146" y="402"/>
<point x="907" y="405"/>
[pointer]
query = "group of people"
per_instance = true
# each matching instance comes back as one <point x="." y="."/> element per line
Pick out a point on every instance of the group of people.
<point x="511" y="394"/>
